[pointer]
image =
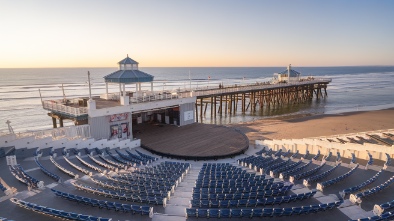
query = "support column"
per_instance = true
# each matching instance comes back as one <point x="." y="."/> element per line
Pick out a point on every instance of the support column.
<point x="151" y="86"/>
<point x="60" y="122"/>
<point x="120" y="90"/>
<point x="106" y="88"/>
<point x="54" y="122"/>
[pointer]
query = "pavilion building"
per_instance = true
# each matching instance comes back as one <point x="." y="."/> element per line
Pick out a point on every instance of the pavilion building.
<point x="112" y="115"/>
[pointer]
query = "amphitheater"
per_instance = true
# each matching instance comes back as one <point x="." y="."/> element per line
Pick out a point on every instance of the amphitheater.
<point x="344" y="177"/>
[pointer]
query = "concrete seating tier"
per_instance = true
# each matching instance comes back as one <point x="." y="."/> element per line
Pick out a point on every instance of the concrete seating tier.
<point x="120" y="160"/>
<point x="129" y="208"/>
<point x="286" y="174"/>
<point x="294" y="155"/>
<point x="64" y="170"/>
<point x="90" y="165"/>
<point x="356" y="198"/>
<point x="47" y="172"/>
<point x="18" y="172"/>
<point x="277" y="171"/>
<point x="227" y="200"/>
<point x="320" y="176"/>
<point x="306" y="173"/>
<point x="87" y="172"/>
<point x="128" y="158"/>
<point x="116" y="164"/>
<point x="151" y="158"/>
<point x="105" y="165"/>
<point x="258" y="212"/>
<point x="246" y="189"/>
<point x="321" y="186"/>
<point x="57" y="213"/>
<point x="354" y="189"/>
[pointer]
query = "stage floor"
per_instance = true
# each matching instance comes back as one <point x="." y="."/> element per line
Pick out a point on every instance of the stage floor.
<point x="195" y="141"/>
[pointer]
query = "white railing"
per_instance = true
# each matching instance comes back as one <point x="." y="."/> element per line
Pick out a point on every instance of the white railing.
<point x="157" y="97"/>
<point x="258" y="87"/>
<point x="56" y="105"/>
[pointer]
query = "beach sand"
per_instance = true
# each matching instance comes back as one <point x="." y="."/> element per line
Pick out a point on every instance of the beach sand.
<point x="303" y="126"/>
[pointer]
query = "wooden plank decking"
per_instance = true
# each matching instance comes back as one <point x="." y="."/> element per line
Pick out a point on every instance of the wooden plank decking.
<point x="192" y="141"/>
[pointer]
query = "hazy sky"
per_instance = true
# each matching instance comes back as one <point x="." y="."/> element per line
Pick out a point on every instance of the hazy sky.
<point x="162" y="33"/>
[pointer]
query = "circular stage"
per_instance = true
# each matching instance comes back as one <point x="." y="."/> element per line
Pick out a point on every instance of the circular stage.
<point x="192" y="142"/>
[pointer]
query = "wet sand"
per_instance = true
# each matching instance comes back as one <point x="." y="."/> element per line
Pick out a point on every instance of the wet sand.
<point x="303" y="126"/>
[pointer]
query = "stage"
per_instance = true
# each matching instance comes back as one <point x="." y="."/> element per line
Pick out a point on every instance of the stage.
<point x="193" y="142"/>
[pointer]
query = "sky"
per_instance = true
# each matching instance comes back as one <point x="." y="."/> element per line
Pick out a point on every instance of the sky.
<point x="200" y="33"/>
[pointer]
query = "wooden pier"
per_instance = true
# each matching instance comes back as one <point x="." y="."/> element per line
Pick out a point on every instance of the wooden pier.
<point x="229" y="100"/>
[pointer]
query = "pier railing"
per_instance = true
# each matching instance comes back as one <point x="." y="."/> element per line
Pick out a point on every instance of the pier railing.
<point x="158" y="97"/>
<point x="56" y="106"/>
<point x="204" y="92"/>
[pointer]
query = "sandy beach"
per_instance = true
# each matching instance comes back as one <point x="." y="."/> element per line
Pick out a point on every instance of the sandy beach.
<point x="301" y="126"/>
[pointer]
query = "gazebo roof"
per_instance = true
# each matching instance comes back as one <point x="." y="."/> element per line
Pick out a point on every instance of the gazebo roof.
<point x="293" y="73"/>
<point x="127" y="60"/>
<point x="128" y="76"/>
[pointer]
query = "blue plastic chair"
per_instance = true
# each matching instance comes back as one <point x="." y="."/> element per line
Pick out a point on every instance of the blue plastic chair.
<point x="190" y="212"/>
<point x="202" y="213"/>
<point x="268" y="212"/>
<point x="213" y="213"/>
<point x="247" y="213"/>
<point x="236" y="213"/>
<point x="225" y="213"/>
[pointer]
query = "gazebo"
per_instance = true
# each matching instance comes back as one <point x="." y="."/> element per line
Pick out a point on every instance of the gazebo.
<point x="288" y="75"/>
<point x="128" y="73"/>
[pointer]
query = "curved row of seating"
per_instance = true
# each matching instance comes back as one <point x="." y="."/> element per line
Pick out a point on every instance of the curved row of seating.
<point x="275" y="166"/>
<point x="18" y="172"/>
<point x="238" y="196"/>
<point x="151" y="158"/>
<point x="134" y="209"/>
<point x="90" y="165"/>
<point x="321" y="186"/>
<point x="251" y="189"/>
<point x="320" y="176"/>
<point x="384" y="216"/>
<point x="116" y="164"/>
<point x="158" y="200"/>
<point x="382" y="208"/>
<point x="105" y="165"/>
<point x="230" y="202"/>
<point x="57" y="213"/>
<point x="128" y="158"/>
<point x="64" y="170"/>
<point x="257" y="212"/>
<point x="353" y="189"/>
<point x="144" y="161"/>
<point x="47" y="172"/>
<point x="286" y="174"/>
<point x="356" y="198"/>
<point x="276" y="172"/>
<point x="5" y="219"/>
<point x="306" y="173"/>
<point x="147" y="189"/>
<point x="119" y="159"/>
<point x="85" y="171"/>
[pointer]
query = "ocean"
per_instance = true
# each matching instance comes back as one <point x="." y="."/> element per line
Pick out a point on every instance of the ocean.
<point x="355" y="88"/>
